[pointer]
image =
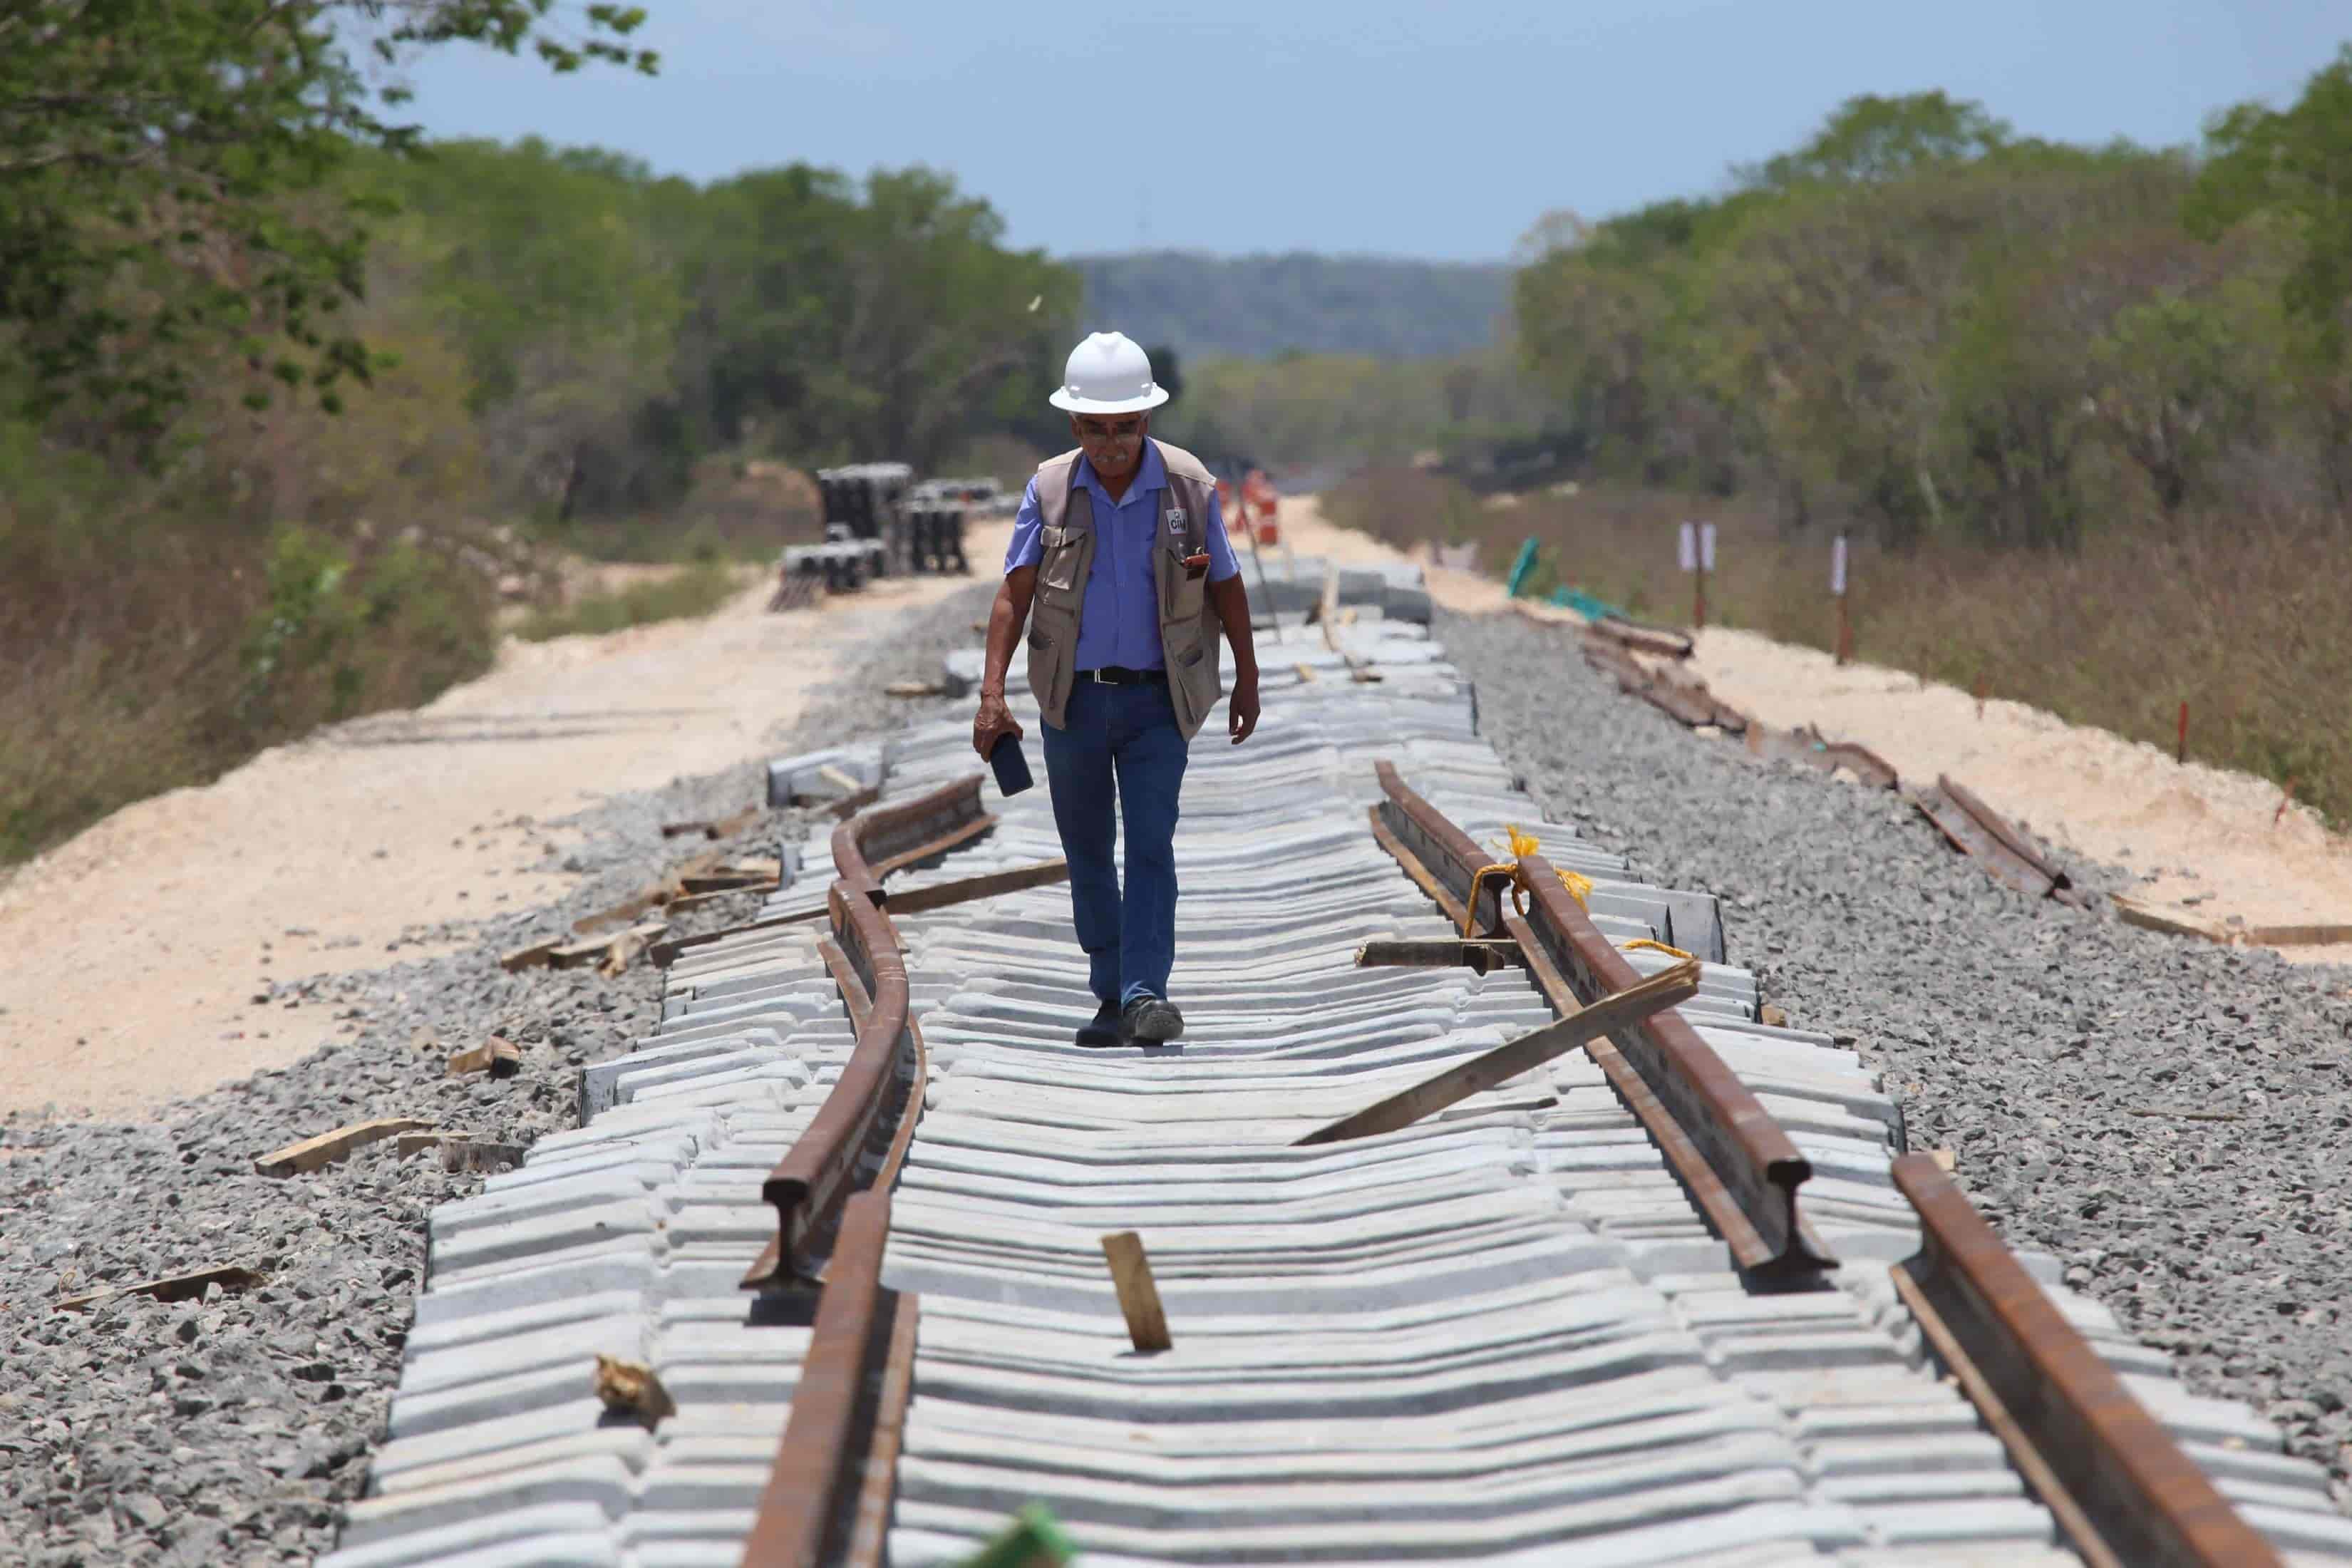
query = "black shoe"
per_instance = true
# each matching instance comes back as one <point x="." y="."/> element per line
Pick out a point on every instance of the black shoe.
<point x="1105" y="1030"/>
<point x="1151" y="1021"/>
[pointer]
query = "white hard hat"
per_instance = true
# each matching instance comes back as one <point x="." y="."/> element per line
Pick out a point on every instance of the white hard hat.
<point x="1107" y="373"/>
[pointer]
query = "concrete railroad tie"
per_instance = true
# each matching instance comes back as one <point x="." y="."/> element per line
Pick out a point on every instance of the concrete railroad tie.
<point x="1500" y="1335"/>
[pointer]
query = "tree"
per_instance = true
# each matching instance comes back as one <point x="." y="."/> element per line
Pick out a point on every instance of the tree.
<point x="1872" y="139"/>
<point x="2291" y="171"/>
<point x="1167" y="370"/>
<point x="167" y="184"/>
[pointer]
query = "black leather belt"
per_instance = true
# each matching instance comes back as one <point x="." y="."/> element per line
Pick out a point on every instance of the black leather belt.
<point x="1118" y="675"/>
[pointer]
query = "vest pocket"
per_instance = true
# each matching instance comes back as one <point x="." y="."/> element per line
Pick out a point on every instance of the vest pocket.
<point x="1058" y="567"/>
<point x="1181" y="595"/>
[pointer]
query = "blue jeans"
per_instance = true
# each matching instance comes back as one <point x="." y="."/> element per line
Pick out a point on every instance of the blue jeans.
<point x="1128" y="733"/>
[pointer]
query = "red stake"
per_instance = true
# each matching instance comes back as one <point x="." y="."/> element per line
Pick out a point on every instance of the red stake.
<point x="1846" y="634"/>
<point x="1980" y="696"/>
<point x="1698" y="607"/>
<point x="2181" y="751"/>
<point x="2285" y="800"/>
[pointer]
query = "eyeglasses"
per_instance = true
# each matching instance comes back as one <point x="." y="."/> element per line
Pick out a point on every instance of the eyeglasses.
<point x="1096" y="430"/>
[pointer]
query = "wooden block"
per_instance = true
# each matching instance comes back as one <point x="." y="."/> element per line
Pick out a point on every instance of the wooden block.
<point x="171" y="1286"/>
<point x="1773" y="1013"/>
<point x="1305" y="671"/>
<point x="697" y="901"/>
<point x="846" y="782"/>
<point x="532" y="957"/>
<point x="2172" y="923"/>
<point x="631" y="1388"/>
<point x="1138" y="1298"/>
<point x="1617" y="1011"/>
<point x="328" y="1147"/>
<point x="1946" y="1161"/>
<point x="409" y="1144"/>
<point x="914" y="689"/>
<point x="2296" y="936"/>
<point x="501" y="1060"/>
<point x="573" y="955"/>
<point x="627" y="909"/>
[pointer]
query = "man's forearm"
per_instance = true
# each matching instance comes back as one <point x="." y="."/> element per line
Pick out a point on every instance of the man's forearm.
<point x="1004" y="619"/>
<point x="1231" y="602"/>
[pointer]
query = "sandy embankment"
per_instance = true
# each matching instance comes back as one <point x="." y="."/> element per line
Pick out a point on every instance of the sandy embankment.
<point x="2195" y="833"/>
<point x="134" y="949"/>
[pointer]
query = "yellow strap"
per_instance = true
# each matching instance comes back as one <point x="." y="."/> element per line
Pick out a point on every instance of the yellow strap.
<point x="1505" y="869"/>
<point x="1580" y="887"/>
<point x="1653" y="946"/>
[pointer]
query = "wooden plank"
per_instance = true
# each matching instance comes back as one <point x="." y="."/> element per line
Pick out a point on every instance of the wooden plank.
<point x="963" y="833"/>
<point x="627" y="909"/>
<point x="170" y="1287"/>
<point x="1482" y="954"/>
<point x="698" y="900"/>
<point x="2171" y="922"/>
<point x="502" y="1060"/>
<point x="1617" y="1011"/>
<point x="1138" y="1298"/>
<point x="327" y="1148"/>
<point x="2296" y="936"/>
<point x="460" y="1155"/>
<point x="535" y="956"/>
<point x="847" y="784"/>
<point x="941" y="895"/>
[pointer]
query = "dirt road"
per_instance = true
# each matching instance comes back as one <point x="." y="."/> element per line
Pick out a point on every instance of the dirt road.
<point x="2208" y="842"/>
<point x="135" y="951"/>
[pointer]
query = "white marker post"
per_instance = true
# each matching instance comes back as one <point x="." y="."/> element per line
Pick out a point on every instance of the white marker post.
<point x="1837" y="592"/>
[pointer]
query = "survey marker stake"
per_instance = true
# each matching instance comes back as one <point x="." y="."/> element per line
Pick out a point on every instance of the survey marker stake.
<point x="1138" y="1298"/>
<point x="1623" y="1010"/>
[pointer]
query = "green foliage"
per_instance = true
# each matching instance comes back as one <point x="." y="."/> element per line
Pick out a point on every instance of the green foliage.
<point x="168" y="187"/>
<point x="1920" y="325"/>
<point x="1256" y="307"/>
<point x="1305" y="409"/>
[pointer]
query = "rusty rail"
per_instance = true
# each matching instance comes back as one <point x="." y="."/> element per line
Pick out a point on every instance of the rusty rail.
<point x="809" y="1184"/>
<point x="1740" y="1167"/>
<point x="829" y="1489"/>
<point x="1984" y="834"/>
<point x="2120" y="1486"/>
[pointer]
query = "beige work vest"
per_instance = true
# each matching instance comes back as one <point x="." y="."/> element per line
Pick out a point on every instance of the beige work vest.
<point x="1187" y="626"/>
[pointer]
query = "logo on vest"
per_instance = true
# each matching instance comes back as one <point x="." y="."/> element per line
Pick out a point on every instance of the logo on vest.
<point x="1175" y="519"/>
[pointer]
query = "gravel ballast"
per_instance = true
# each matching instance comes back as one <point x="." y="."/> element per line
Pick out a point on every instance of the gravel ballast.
<point x="230" y="1429"/>
<point x="2169" y="1118"/>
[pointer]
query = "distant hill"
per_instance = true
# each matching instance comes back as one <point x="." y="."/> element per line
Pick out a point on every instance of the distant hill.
<point x="1255" y="307"/>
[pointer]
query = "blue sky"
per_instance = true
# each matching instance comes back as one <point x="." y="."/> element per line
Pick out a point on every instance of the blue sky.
<point x="1367" y="126"/>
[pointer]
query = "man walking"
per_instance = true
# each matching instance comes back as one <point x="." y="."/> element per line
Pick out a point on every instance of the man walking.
<point x="1122" y="549"/>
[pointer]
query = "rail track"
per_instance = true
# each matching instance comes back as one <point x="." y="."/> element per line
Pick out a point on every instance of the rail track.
<point x="1679" y="1297"/>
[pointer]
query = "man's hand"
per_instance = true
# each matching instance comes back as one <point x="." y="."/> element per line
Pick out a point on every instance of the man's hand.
<point x="995" y="722"/>
<point x="1241" y="708"/>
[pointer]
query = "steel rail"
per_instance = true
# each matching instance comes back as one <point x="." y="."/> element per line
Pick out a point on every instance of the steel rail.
<point x="817" y="1174"/>
<point x="828" y="1486"/>
<point x="2120" y="1486"/>
<point x="809" y="1184"/>
<point x="1746" y="1153"/>
<point x="1979" y="831"/>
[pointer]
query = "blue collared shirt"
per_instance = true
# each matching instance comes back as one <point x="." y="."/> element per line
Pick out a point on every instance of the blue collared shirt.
<point x="1120" y="621"/>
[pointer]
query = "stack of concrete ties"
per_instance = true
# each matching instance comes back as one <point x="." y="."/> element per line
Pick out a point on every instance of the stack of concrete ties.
<point x="1494" y="1334"/>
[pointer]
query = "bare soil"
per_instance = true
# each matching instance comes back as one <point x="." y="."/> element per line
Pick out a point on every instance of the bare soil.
<point x="136" y="949"/>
